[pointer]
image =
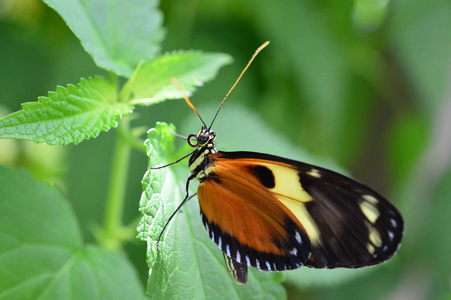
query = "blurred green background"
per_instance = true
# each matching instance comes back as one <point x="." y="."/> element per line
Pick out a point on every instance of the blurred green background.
<point x="363" y="83"/>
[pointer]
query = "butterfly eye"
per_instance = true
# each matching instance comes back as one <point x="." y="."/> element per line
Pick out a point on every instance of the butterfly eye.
<point x="190" y="140"/>
<point x="203" y="139"/>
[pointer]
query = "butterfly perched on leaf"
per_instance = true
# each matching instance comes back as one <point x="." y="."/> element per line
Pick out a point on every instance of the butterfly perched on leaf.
<point x="275" y="214"/>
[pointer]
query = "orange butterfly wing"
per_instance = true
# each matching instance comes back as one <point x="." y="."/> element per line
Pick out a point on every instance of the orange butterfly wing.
<point x="274" y="214"/>
<point x="247" y="223"/>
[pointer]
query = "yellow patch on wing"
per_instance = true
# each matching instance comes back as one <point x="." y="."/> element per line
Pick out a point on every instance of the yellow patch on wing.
<point x="300" y="212"/>
<point x="289" y="191"/>
<point x="370" y="212"/>
<point x="314" y="173"/>
<point x="375" y="237"/>
<point x="370" y="199"/>
<point x="287" y="183"/>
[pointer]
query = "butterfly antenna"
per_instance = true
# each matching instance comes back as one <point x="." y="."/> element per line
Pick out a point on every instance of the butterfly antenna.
<point x="177" y="84"/>
<point x="236" y="82"/>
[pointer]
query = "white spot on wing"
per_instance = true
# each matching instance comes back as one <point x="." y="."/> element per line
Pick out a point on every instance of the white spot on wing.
<point x="294" y="252"/>
<point x="391" y="235"/>
<point x="298" y="237"/>
<point x="248" y="262"/>
<point x="257" y="262"/>
<point x="238" y="256"/>
<point x="375" y="237"/>
<point x="370" y="211"/>
<point x="228" y="250"/>
<point x="370" y="199"/>
<point x="220" y="242"/>
<point x="393" y="223"/>
<point x="268" y="265"/>
<point x="314" y="173"/>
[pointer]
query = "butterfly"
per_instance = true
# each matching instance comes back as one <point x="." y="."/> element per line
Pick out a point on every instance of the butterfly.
<point x="275" y="214"/>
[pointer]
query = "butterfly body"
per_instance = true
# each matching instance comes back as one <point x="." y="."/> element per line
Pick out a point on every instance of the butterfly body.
<point x="277" y="214"/>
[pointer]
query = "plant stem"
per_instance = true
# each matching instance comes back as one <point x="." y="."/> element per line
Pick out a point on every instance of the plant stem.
<point x="134" y="142"/>
<point x="113" y="227"/>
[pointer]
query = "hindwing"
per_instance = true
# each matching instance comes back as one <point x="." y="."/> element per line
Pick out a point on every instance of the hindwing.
<point x="276" y="214"/>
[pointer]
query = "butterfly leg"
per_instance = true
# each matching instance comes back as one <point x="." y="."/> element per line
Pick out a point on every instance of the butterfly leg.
<point x="187" y="197"/>
<point x="174" y="162"/>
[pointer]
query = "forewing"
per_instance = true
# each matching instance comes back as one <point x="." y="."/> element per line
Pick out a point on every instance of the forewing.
<point x="261" y="206"/>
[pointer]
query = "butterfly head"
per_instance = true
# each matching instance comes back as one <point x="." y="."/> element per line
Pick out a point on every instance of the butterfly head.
<point x="204" y="138"/>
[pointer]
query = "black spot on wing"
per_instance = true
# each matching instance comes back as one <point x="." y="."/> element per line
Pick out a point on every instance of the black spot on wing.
<point x="263" y="174"/>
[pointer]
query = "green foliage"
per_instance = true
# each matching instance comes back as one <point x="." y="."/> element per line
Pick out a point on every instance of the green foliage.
<point x="406" y="143"/>
<point x="362" y="84"/>
<point x="152" y="83"/>
<point x="117" y="35"/>
<point x="42" y="252"/>
<point x="369" y="15"/>
<point x="69" y="115"/>
<point x="58" y="264"/>
<point x="437" y="267"/>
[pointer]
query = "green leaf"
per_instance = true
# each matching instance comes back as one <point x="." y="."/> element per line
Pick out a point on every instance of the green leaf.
<point x="42" y="255"/>
<point x="151" y="204"/>
<point x="189" y="263"/>
<point x="153" y="81"/>
<point x="115" y="33"/>
<point x="69" y="115"/>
